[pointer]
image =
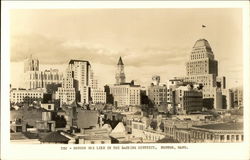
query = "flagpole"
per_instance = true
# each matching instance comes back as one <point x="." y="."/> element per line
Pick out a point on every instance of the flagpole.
<point x="203" y="29"/>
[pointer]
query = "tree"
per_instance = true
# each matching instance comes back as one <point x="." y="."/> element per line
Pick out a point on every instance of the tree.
<point x="161" y="126"/>
<point x="153" y="124"/>
<point x="52" y="88"/>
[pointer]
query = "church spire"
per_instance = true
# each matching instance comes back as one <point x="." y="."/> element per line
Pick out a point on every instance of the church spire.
<point x="120" y="61"/>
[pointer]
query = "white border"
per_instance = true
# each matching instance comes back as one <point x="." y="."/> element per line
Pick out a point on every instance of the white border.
<point x="195" y="151"/>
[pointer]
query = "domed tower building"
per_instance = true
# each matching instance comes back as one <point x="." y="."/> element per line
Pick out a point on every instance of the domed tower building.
<point x="120" y="75"/>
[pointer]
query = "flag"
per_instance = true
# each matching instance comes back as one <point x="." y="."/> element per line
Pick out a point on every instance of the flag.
<point x="203" y="26"/>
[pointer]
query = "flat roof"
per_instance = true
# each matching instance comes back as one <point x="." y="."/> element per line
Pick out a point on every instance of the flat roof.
<point x="222" y="126"/>
<point x="76" y="60"/>
<point x="95" y="137"/>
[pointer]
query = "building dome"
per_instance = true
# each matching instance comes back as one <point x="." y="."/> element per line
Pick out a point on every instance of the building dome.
<point x="202" y="43"/>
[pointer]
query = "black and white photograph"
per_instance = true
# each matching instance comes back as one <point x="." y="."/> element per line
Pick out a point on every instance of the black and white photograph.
<point x="126" y="76"/>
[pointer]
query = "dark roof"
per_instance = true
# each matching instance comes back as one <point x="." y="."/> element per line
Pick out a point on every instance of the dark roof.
<point x="87" y="118"/>
<point x="54" y="137"/>
<point x="120" y="61"/>
<point x="17" y="136"/>
<point x="128" y="83"/>
<point x="75" y="60"/>
<point x="222" y="126"/>
<point x="167" y="140"/>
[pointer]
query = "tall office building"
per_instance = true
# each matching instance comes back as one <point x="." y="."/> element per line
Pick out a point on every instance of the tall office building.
<point x="202" y="67"/>
<point x="66" y="93"/>
<point x="81" y="71"/>
<point x="120" y="75"/>
<point x="34" y="78"/>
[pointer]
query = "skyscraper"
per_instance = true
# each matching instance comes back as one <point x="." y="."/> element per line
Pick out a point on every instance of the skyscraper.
<point x="34" y="78"/>
<point x="120" y="75"/>
<point x="81" y="71"/>
<point x="202" y="68"/>
<point x="66" y="93"/>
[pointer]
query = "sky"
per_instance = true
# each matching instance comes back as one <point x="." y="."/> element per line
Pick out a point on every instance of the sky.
<point x="150" y="41"/>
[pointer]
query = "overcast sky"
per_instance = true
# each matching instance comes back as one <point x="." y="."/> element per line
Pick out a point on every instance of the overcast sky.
<point x="150" y="41"/>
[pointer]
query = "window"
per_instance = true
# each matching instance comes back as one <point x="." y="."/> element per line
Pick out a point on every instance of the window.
<point x="221" y="137"/>
<point x="102" y="142"/>
<point x="92" y="142"/>
<point x="49" y="106"/>
<point x="237" y="137"/>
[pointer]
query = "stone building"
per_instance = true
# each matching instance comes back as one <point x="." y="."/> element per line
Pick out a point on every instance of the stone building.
<point x="34" y="78"/>
<point x="188" y="100"/>
<point x="28" y="96"/>
<point x="125" y="94"/>
<point x="202" y="68"/>
<point x="81" y="71"/>
<point x="66" y="94"/>
<point x="157" y="93"/>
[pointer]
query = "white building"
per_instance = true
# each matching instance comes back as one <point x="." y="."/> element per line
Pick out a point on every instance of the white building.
<point x="33" y="78"/>
<point x="81" y="73"/>
<point x="126" y="94"/>
<point x="98" y="96"/>
<point x="22" y="95"/>
<point x="48" y="106"/>
<point x="66" y="94"/>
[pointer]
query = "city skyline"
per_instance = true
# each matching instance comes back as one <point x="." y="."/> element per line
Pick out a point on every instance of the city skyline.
<point x="146" y="41"/>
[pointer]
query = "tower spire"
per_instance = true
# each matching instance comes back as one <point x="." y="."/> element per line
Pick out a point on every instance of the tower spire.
<point x="120" y="75"/>
<point x="120" y="61"/>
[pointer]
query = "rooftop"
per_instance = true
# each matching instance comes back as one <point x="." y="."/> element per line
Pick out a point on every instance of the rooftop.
<point x="95" y="137"/>
<point x="87" y="119"/>
<point x="54" y="137"/>
<point x="202" y="43"/>
<point x="222" y="126"/>
<point x="17" y="136"/>
<point x="72" y="61"/>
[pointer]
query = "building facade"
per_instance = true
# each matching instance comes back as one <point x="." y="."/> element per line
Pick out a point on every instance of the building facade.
<point x="217" y="133"/>
<point x="66" y="94"/>
<point x="29" y="96"/>
<point x="157" y="93"/>
<point x="81" y="73"/>
<point x="126" y="94"/>
<point x="188" y="100"/>
<point x="98" y="96"/>
<point x="33" y="78"/>
<point x="238" y="96"/>
<point x="202" y="68"/>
